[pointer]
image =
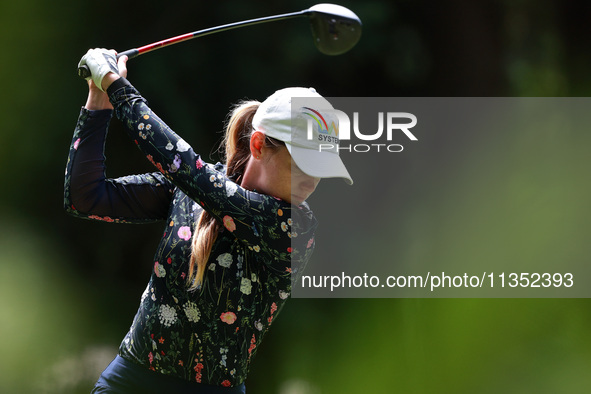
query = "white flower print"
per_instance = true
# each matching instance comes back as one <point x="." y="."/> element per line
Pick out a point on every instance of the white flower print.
<point x="225" y="260"/>
<point x="159" y="270"/>
<point x="192" y="312"/>
<point x="145" y="293"/>
<point x="169" y="146"/>
<point x="239" y="266"/>
<point x="140" y="126"/>
<point x="256" y="248"/>
<point x="231" y="188"/>
<point x="258" y="325"/>
<point x="224" y="353"/>
<point x="253" y="277"/>
<point x="167" y="315"/>
<point x="245" y="286"/>
<point x="283" y="294"/>
<point x="211" y="267"/>
<point x="289" y="221"/>
<point x="182" y="146"/>
<point x="284" y="226"/>
<point x="213" y="178"/>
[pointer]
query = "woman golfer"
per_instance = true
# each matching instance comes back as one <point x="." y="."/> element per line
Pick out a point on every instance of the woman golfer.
<point x="234" y="233"/>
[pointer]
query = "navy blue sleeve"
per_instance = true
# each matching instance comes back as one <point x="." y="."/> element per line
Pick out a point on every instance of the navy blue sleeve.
<point x="89" y="194"/>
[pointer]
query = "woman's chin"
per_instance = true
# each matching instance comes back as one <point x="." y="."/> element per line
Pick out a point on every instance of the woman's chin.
<point x="296" y="200"/>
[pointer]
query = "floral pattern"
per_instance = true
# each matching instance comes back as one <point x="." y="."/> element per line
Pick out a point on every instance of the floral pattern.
<point x="209" y="335"/>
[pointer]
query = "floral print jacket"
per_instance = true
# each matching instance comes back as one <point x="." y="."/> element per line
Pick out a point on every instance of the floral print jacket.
<point x="209" y="335"/>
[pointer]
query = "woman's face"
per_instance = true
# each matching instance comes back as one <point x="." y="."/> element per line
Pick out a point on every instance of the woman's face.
<point x="281" y="177"/>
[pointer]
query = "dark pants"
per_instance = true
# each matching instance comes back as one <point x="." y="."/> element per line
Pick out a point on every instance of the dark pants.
<point x="125" y="377"/>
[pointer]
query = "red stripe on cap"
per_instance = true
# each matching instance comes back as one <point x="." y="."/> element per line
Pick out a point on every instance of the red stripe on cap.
<point x="321" y="117"/>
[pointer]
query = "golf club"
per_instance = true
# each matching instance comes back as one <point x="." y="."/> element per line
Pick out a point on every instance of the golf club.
<point x="335" y="30"/>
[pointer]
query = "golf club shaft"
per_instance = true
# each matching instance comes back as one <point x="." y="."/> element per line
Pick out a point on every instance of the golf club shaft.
<point x="84" y="72"/>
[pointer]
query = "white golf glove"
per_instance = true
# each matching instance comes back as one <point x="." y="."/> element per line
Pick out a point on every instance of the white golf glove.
<point x="100" y="62"/>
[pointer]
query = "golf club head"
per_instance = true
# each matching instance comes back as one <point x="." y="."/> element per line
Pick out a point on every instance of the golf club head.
<point x="335" y="29"/>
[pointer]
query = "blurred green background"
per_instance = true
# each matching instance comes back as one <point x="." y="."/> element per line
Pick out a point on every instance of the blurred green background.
<point x="69" y="288"/>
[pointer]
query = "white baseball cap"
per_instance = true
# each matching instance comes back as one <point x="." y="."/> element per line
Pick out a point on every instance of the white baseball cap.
<point x="309" y="129"/>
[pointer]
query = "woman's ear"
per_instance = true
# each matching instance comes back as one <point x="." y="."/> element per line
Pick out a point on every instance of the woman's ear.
<point x="257" y="142"/>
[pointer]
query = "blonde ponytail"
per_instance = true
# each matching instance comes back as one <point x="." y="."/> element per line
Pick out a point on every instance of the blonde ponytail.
<point x="236" y="144"/>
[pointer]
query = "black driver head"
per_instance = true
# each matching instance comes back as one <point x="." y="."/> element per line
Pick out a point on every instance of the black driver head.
<point x="335" y="29"/>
